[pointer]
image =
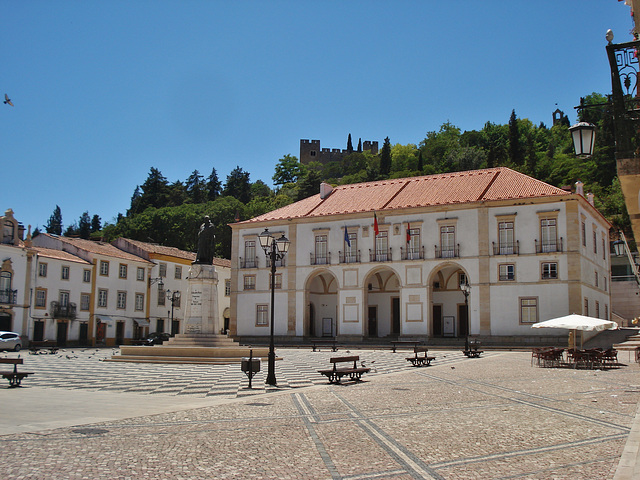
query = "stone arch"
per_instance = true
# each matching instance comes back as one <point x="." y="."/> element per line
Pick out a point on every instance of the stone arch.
<point x="321" y="304"/>
<point x="382" y="287"/>
<point x="449" y="316"/>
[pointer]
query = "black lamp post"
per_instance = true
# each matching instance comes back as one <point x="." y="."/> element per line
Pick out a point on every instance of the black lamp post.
<point x="466" y="290"/>
<point x="274" y="250"/>
<point x="173" y="297"/>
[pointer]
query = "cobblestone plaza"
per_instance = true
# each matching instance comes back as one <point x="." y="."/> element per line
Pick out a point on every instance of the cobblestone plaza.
<point x="495" y="417"/>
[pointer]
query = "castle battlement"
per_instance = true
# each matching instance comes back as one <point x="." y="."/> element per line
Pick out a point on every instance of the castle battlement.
<point x="310" y="151"/>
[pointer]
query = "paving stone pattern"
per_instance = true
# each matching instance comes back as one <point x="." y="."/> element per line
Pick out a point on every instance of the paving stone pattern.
<point x="495" y="417"/>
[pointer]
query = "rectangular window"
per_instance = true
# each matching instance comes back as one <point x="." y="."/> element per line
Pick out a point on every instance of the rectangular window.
<point x="382" y="247"/>
<point x="413" y="247"/>
<point x="250" y="254"/>
<point x="586" y="307"/>
<point x="161" y="296"/>
<point x="42" y="270"/>
<point x="528" y="310"/>
<point x="548" y="234"/>
<point x="41" y="298"/>
<point x="321" y="250"/>
<point x="140" y="274"/>
<point x="584" y="234"/>
<point x="277" y="284"/>
<point x="86" y="275"/>
<point x="162" y="270"/>
<point x="462" y="279"/>
<point x="447" y="241"/>
<point x="122" y="299"/>
<point x="104" y="268"/>
<point x="597" y="309"/>
<point x="139" y="302"/>
<point x="505" y="238"/>
<point x="85" y="300"/>
<point x="596" y="279"/>
<point x="102" y="298"/>
<point x="227" y="288"/>
<point x="606" y="311"/>
<point x="351" y="251"/>
<point x="63" y="298"/>
<point x="65" y="273"/>
<point x="604" y="254"/>
<point x="249" y="282"/>
<point x="549" y="270"/>
<point x="595" y="242"/>
<point x="507" y="272"/>
<point x="178" y="273"/>
<point x="122" y="271"/>
<point x="262" y="315"/>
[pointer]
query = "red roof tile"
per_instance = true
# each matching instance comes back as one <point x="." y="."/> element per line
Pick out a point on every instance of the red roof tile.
<point x="58" y="254"/>
<point x="443" y="189"/>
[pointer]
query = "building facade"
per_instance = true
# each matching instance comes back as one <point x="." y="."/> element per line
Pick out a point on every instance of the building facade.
<point x="393" y="259"/>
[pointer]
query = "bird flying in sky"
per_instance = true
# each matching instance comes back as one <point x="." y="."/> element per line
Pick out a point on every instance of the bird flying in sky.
<point x="7" y="100"/>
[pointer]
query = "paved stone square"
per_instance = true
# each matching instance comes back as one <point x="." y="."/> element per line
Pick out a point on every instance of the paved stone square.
<point x="495" y="417"/>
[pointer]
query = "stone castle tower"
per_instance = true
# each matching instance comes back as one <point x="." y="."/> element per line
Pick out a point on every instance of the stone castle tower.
<point x="310" y="151"/>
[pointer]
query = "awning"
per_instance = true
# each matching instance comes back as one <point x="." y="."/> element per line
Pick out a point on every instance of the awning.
<point x="142" y="322"/>
<point x="105" y="319"/>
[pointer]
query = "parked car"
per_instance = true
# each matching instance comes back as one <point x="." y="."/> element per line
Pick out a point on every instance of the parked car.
<point x="10" y="341"/>
<point x="155" y="338"/>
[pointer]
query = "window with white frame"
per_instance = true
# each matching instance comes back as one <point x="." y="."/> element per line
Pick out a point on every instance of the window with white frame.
<point x="447" y="241"/>
<point x="63" y="298"/>
<point x="122" y="300"/>
<point x="548" y="234"/>
<point x="506" y="238"/>
<point x="249" y="282"/>
<point x="102" y="297"/>
<point x="277" y="281"/>
<point x="178" y="272"/>
<point x="462" y="279"/>
<point x="140" y="274"/>
<point x="86" y="275"/>
<point x="139" y="302"/>
<point x="351" y="248"/>
<point x="413" y="247"/>
<point x="42" y="270"/>
<point x="5" y="282"/>
<point x="528" y="310"/>
<point x="41" y="298"/>
<point x="227" y="287"/>
<point x="162" y="270"/>
<point x="104" y="268"/>
<point x="506" y="272"/>
<point x="85" y="301"/>
<point x="122" y="271"/>
<point x="321" y="250"/>
<point x="250" y="254"/>
<point x="262" y="316"/>
<point x="382" y="246"/>
<point x="161" y="295"/>
<point x="549" y="270"/>
<point x="65" y="273"/>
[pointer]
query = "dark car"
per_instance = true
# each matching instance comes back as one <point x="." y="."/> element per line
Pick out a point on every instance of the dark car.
<point x="155" y="338"/>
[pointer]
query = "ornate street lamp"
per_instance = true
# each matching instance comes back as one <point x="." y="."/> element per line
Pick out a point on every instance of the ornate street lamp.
<point x="274" y="250"/>
<point x="618" y="248"/>
<point x="466" y="290"/>
<point x="584" y="137"/>
<point x="173" y="297"/>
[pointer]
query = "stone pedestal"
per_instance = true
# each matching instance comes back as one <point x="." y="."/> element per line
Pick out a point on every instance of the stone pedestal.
<point x="201" y="314"/>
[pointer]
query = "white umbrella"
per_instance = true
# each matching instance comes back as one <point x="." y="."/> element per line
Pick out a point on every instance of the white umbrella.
<point x="577" y="322"/>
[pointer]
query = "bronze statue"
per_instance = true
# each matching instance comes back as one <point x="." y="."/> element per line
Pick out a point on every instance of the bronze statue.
<point x="206" y="240"/>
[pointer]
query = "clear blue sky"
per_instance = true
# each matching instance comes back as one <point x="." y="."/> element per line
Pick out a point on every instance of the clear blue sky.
<point x="105" y="90"/>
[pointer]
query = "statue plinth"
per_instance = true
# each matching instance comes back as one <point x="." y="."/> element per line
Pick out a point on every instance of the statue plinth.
<point x="202" y="300"/>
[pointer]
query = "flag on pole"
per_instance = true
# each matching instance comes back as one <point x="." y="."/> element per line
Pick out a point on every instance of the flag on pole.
<point x="346" y="236"/>
<point x="375" y="224"/>
<point x="408" y="233"/>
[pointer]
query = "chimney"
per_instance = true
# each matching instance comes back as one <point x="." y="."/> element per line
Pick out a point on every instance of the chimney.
<point x="580" y="188"/>
<point x="325" y="190"/>
<point x="590" y="197"/>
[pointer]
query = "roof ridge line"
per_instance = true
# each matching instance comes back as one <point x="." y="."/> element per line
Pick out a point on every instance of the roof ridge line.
<point x="396" y="194"/>
<point x="491" y="182"/>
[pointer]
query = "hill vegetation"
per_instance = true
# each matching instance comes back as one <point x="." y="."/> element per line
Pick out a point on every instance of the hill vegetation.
<point x="170" y="213"/>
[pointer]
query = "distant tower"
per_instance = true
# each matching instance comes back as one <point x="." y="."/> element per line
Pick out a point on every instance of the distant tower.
<point x="558" y="117"/>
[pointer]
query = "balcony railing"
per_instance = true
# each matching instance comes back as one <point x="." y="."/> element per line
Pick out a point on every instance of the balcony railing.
<point x="279" y="262"/>
<point x="8" y="297"/>
<point x="251" y="262"/>
<point x="380" y="255"/>
<point x="549" y="247"/>
<point x="448" y="251"/>
<point x="324" y="259"/>
<point x="63" y="311"/>
<point x="506" y="249"/>
<point x="353" y="257"/>
<point x="412" y="253"/>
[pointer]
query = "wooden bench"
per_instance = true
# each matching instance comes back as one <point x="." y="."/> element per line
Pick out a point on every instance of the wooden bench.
<point x="405" y="343"/>
<point x="319" y="343"/>
<point x="14" y="377"/>
<point x="50" y="345"/>
<point x="471" y="353"/>
<point x="420" y="360"/>
<point x="335" y="374"/>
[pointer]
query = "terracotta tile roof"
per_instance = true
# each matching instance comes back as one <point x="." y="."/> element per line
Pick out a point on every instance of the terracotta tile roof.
<point x="99" y="248"/>
<point x="153" y="248"/>
<point x="59" y="255"/>
<point x="499" y="183"/>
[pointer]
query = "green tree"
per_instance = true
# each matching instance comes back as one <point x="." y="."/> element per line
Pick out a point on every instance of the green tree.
<point x="95" y="224"/>
<point x="54" y="225"/>
<point x="84" y="226"/>
<point x="310" y="183"/>
<point x="288" y="170"/>
<point x="349" y="145"/>
<point x="385" y="157"/>
<point x="259" y="189"/>
<point x="214" y="187"/>
<point x="516" y="154"/>
<point x="238" y="185"/>
<point x="196" y="188"/>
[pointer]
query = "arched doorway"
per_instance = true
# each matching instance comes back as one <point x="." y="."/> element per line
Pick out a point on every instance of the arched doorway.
<point x="449" y="306"/>
<point x="382" y="292"/>
<point x="321" y="298"/>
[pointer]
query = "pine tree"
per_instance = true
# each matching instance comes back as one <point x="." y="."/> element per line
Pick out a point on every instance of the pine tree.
<point x="196" y="187"/>
<point x="238" y="185"/>
<point x="84" y="226"/>
<point x="385" y="158"/>
<point x="54" y="225"/>
<point x="359" y="145"/>
<point x="213" y="185"/>
<point x="349" y="145"/>
<point x="96" y="225"/>
<point x="515" y="149"/>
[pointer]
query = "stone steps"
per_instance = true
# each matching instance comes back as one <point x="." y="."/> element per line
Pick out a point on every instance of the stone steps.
<point x="178" y="360"/>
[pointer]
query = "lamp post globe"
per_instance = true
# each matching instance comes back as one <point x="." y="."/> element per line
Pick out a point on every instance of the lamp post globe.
<point x="584" y="137"/>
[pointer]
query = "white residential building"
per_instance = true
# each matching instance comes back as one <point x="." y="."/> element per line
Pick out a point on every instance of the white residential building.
<point x="528" y="251"/>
